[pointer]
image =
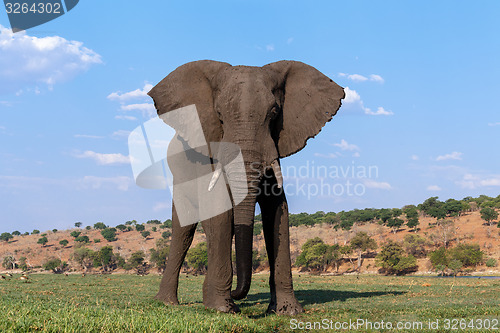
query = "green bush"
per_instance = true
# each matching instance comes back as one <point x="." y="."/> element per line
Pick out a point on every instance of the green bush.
<point x="392" y="260"/>
<point x="109" y="234"/>
<point x="82" y="239"/>
<point x="159" y="254"/>
<point x="16" y="233"/>
<point x="75" y="234"/>
<point x="145" y="234"/>
<point x="43" y="241"/>
<point x="468" y="254"/>
<point x="100" y="225"/>
<point x="5" y="236"/>
<point x="166" y="234"/>
<point x="63" y="242"/>
<point x="55" y="265"/>
<point x="35" y="232"/>
<point x="197" y="257"/>
<point x="9" y="262"/>
<point x="97" y="240"/>
<point x="140" y="227"/>
<point x="135" y="260"/>
<point x="491" y="262"/>
<point x="317" y="255"/>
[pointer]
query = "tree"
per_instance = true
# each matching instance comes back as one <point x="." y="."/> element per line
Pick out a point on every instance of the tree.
<point x="106" y="259"/>
<point x="54" y="230"/>
<point x="395" y="223"/>
<point x="35" y="232"/>
<point x="392" y="260"/>
<point x="82" y="239"/>
<point x="140" y="227"/>
<point x="16" y="233"/>
<point x="439" y="259"/>
<point x="136" y="261"/>
<point x="415" y="245"/>
<point x="100" y="225"/>
<point x="166" y="234"/>
<point x="446" y="229"/>
<point x="75" y="234"/>
<point x="384" y="215"/>
<point x="455" y="266"/>
<point x="88" y="227"/>
<point x="153" y="222"/>
<point x="316" y="254"/>
<point x="121" y="227"/>
<point x="361" y="242"/>
<point x="145" y="234"/>
<point x="109" y="234"/>
<point x="168" y="223"/>
<point x="78" y="224"/>
<point x="488" y="214"/>
<point x="5" y="236"/>
<point x="55" y="265"/>
<point x="42" y="241"/>
<point x="467" y="254"/>
<point x="23" y="265"/>
<point x="411" y="217"/>
<point x="197" y="257"/>
<point x="63" y="242"/>
<point x="84" y="257"/>
<point x="9" y="262"/>
<point x="154" y="229"/>
<point x="413" y="223"/>
<point x="158" y="254"/>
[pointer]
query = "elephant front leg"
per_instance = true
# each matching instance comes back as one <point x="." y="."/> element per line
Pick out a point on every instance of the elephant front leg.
<point x="182" y="237"/>
<point x="275" y="223"/>
<point x="219" y="278"/>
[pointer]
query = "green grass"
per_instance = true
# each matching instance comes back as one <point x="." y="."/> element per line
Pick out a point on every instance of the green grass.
<point x="124" y="303"/>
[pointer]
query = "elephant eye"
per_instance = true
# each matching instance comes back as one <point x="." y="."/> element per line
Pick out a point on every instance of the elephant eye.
<point x="274" y="111"/>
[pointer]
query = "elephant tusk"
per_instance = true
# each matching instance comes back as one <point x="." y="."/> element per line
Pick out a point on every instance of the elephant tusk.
<point x="215" y="178"/>
<point x="277" y="173"/>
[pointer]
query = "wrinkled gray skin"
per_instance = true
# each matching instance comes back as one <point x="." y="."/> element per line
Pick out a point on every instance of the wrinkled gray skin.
<point x="269" y="112"/>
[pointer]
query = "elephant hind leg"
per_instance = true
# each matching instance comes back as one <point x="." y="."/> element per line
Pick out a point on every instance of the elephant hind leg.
<point x="182" y="237"/>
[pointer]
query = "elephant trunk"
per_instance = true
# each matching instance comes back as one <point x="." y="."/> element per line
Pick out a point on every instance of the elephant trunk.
<point x="244" y="185"/>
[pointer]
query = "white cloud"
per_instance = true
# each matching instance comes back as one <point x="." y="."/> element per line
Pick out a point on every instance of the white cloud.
<point x="121" y="183"/>
<point x="270" y="47"/>
<point x="494" y="124"/>
<point x="453" y="156"/>
<point x="344" y="145"/>
<point x="330" y="155"/>
<point x="123" y="117"/>
<point x="380" y="112"/>
<point x="120" y="134"/>
<point x="376" y="78"/>
<point x="433" y="188"/>
<point x="86" y="136"/>
<point x="362" y="78"/>
<point x="147" y="109"/>
<point x="414" y="157"/>
<point x="472" y="181"/>
<point x="135" y="94"/>
<point x="352" y="98"/>
<point x="357" y="78"/>
<point x="104" y="159"/>
<point x="369" y="183"/>
<point x="162" y="206"/>
<point x="29" y="61"/>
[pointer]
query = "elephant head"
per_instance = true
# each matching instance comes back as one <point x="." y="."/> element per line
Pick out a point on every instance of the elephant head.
<point x="269" y="112"/>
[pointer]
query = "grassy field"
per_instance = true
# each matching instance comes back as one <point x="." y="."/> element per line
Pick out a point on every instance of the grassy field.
<point x="123" y="303"/>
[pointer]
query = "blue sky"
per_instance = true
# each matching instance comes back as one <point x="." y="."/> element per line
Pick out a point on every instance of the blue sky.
<point x="421" y="108"/>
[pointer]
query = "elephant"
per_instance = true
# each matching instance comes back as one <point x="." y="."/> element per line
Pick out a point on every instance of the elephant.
<point x="269" y="113"/>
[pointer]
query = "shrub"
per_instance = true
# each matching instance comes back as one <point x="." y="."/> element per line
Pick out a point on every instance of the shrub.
<point x="84" y="257"/>
<point x="439" y="257"/>
<point x="9" y="262"/>
<point x="153" y="222"/>
<point x="491" y="262"/>
<point x="154" y="229"/>
<point x="197" y="257"/>
<point x="257" y="229"/>
<point x="82" y="239"/>
<point x="100" y="225"/>
<point x="168" y="223"/>
<point x="140" y="227"/>
<point x="415" y="245"/>
<point x="23" y="264"/>
<point x="109" y="234"/>
<point x="75" y="234"/>
<point x="55" y="265"/>
<point x="468" y="254"/>
<point x="54" y="230"/>
<point x="88" y="227"/>
<point x="145" y="234"/>
<point x="97" y="240"/>
<point x="5" y="236"/>
<point x="121" y="227"/>
<point x="166" y="234"/>
<point x="106" y="259"/>
<point x="316" y="254"/>
<point x="35" y="232"/>
<point x="42" y="241"/>
<point x="16" y="233"/>
<point x="63" y="242"/>
<point x="159" y="254"/>
<point x="392" y="260"/>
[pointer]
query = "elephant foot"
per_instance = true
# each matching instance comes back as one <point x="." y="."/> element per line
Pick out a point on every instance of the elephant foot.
<point x="225" y="306"/>
<point x="167" y="299"/>
<point x="288" y="306"/>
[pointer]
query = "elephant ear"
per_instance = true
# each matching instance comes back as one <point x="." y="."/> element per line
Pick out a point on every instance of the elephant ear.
<point x="309" y="100"/>
<point x="191" y="83"/>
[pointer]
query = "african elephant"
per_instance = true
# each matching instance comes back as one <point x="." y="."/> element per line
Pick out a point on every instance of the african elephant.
<point x="268" y="112"/>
